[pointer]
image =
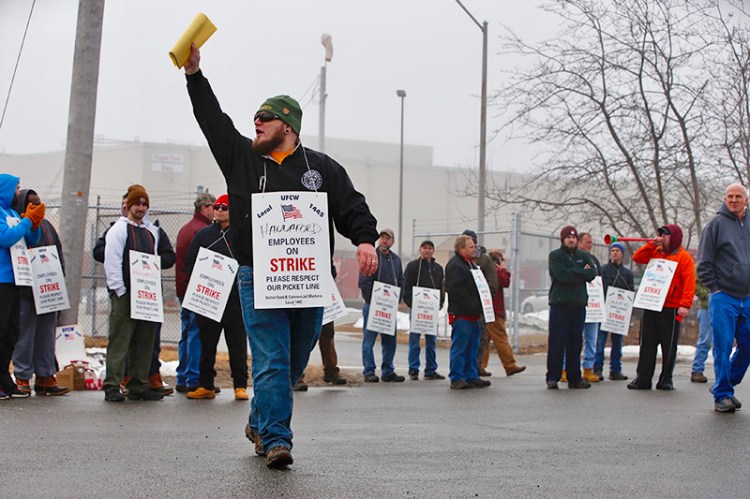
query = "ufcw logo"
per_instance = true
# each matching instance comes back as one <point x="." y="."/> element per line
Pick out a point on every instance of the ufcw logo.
<point x="290" y="211"/>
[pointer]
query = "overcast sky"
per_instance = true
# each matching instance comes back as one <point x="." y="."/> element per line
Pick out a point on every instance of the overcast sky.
<point x="429" y="48"/>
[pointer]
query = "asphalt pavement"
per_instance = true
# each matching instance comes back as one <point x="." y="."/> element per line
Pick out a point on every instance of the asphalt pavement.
<point x="411" y="439"/>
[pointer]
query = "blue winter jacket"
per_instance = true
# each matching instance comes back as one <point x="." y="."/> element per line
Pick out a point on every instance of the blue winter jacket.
<point x="11" y="235"/>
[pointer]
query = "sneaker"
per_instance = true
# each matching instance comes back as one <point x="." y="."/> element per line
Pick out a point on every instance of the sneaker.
<point x="737" y="403"/>
<point x="240" y="394"/>
<point x="435" y="375"/>
<point x="551" y="385"/>
<point x="300" y="387"/>
<point x="334" y="379"/>
<point x="515" y="370"/>
<point x="23" y="385"/>
<point x="459" y="385"/>
<point x="725" y="405"/>
<point x="253" y="436"/>
<point x="617" y="376"/>
<point x="484" y="373"/>
<point x="480" y="383"/>
<point x="279" y="457"/>
<point x="201" y="393"/>
<point x="3" y="395"/>
<point x="148" y="394"/>
<point x="414" y="375"/>
<point x="393" y="378"/>
<point x="580" y="384"/>
<point x="15" y="393"/>
<point x="371" y="378"/>
<point x="698" y="377"/>
<point x="113" y="395"/>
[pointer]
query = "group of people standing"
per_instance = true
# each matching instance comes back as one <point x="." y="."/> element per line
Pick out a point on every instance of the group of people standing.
<point x="470" y="346"/>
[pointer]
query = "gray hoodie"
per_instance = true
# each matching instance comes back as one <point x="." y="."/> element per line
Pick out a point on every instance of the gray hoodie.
<point x="724" y="254"/>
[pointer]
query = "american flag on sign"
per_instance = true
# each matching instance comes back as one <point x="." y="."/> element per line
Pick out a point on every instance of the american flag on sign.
<point x="216" y="264"/>
<point x="290" y="211"/>
<point x="45" y="259"/>
<point x="146" y="266"/>
<point x="386" y="293"/>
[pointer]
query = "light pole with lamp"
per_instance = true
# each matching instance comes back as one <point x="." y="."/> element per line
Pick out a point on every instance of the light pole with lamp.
<point x="482" y="127"/>
<point x="402" y="95"/>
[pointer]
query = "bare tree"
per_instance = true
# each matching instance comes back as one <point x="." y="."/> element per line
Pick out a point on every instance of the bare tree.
<point x="620" y="105"/>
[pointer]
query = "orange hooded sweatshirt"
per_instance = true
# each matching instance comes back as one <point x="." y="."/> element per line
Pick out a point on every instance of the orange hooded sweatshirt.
<point x="682" y="289"/>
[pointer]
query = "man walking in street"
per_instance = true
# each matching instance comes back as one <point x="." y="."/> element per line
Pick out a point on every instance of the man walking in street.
<point x="391" y="272"/>
<point x="424" y="272"/>
<point x="280" y="338"/>
<point x="663" y="328"/>
<point x="724" y="268"/>
<point x="570" y="269"/>
<point x="189" y="347"/>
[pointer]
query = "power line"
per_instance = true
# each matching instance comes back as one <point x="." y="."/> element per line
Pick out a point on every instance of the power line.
<point x="18" y="59"/>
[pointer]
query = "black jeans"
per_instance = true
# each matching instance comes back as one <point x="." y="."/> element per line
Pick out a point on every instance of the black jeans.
<point x="234" y="334"/>
<point x="565" y="338"/>
<point x="9" y="317"/>
<point x="657" y="328"/>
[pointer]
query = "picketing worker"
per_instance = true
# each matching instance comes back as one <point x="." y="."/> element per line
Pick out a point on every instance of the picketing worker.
<point x="570" y="269"/>
<point x="280" y="339"/>
<point x="189" y="346"/>
<point x="13" y="228"/>
<point x="590" y="329"/>
<point x="464" y="312"/>
<point x="423" y="272"/>
<point x="724" y="268"/>
<point x="391" y="272"/>
<point x="131" y="341"/>
<point x="663" y="328"/>
<point x="616" y="275"/>
<point x="217" y="237"/>
<point x="496" y="330"/>
<point x="34" y="354"/>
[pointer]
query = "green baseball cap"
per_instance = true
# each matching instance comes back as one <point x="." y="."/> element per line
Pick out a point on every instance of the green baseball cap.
<point x="286" y="108"/>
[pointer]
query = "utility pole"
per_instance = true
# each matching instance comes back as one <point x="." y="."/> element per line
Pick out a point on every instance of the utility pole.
<point x="327" y="42"/>
<point x="79" y="148"/>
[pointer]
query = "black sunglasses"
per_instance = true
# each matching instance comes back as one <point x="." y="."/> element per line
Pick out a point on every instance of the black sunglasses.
<point x="265" y="116"/>
<point x="221" y="207"/>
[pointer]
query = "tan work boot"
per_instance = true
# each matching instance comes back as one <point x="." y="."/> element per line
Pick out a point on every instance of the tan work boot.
<point x="201" y="393"/>
<point x="564" y="377"/>
<point x="47" y="385"/>
<point x="155" y="382"/>
<point x="590" y="376"/>
<point x="240" y="394"/>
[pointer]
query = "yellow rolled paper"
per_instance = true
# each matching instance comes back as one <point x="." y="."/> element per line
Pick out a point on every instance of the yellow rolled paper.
<point x="200" y="30"/>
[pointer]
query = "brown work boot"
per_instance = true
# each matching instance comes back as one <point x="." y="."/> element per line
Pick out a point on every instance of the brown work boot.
<point x="695" y="377"/>
<point x="47" y="385"/>
<point x="23" y="385"/>
<point x="279" y="457"/>
<point x="155" y="383"/>
<point x="124" y="384"/>
<point x="253" y="436"/>
<point x="515" y="370"/>
<point x="590" y="376"/>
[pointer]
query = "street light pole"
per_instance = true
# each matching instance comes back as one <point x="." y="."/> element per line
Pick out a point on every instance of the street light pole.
<point x="325" y="39"/>
<point x="402" y="95"/>
<point x="482" y="127"/>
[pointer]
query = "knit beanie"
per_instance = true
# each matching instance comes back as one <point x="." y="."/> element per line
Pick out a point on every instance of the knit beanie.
<point x="136" y="193"/>
<point x="286" y="108"/>
<point x="223" y="199"/>
<point x="566" y="231"/>
<point x="619" y="245"/>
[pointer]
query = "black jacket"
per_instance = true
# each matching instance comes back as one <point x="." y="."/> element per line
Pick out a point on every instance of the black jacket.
<point x="244" y="170"/>
<point x="463" y="295"/>
<point x="215" y="239"/>
<point x="424" y="274"/>
<point x="389" y="271"/>
<point x="617" y="276"/>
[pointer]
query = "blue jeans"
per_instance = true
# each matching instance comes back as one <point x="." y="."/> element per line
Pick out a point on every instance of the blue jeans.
<point x="430" y="342"/>
<point x="704" y="341"/>
<point x="281" y="340"/>
<point x="464" y="348"/>
<point x="615" y="354"/>
<point x="590" y="337"/>
<point x="387" y="346"/>
<point x="188" y="350"/>
<point x="730" y="320"/>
